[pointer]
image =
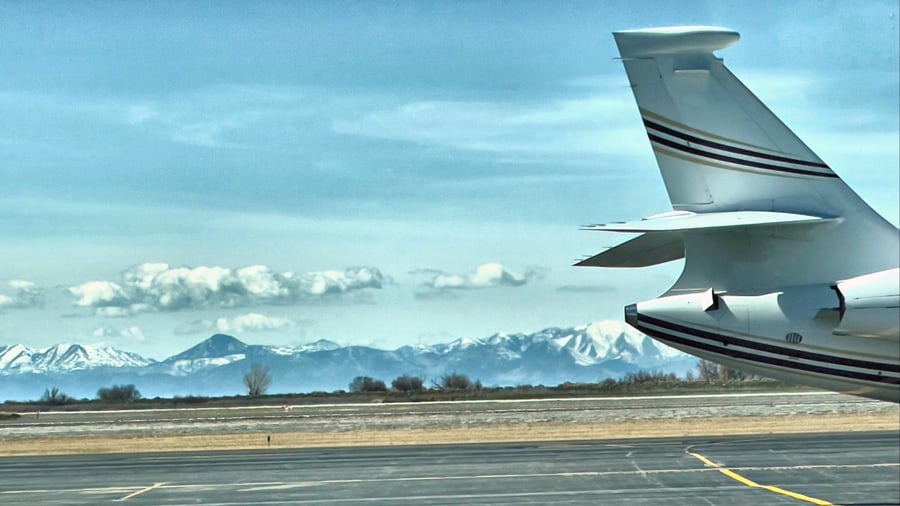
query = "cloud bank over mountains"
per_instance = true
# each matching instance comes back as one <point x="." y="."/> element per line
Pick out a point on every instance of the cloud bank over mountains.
<point x="250" y="322"/>
<point x="153" y="305"/>
<point x="489" y="275"/>
<point x="255" y="299"/>
<point x="158" y="287"/>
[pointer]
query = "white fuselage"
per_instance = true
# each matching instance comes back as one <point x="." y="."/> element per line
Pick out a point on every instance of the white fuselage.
<point x="787" y="335"/>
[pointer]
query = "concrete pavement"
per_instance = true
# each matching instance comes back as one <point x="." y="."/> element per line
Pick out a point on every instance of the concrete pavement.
<point x="845" y="468"/>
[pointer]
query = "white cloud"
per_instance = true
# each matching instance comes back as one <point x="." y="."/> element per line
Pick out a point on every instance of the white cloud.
<point x="253" y="322"/>
<point x="108" y="331"/>
<point x="20" y="294"/>
<point x="250" y="322"/>
<point x="495" y="274"/>
<point x="114" y="312"/>
<point x="195" y="327"/>
<point x="22" y="285"/>
<point x="158" y="287"/>
<point x="98" y="294"/>
<point x="485" y="276"/>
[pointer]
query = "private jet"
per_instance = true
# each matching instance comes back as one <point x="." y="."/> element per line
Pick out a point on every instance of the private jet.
<point x="787" y="272"/>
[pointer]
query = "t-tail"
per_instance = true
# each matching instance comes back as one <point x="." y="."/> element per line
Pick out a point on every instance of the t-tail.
<point x="787" y="271"/>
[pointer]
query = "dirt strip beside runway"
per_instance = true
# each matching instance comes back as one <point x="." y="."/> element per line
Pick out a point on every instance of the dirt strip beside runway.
<point x="455" y="435"/>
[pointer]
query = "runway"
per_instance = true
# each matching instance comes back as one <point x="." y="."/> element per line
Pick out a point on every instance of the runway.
<point x="838" y="468"/>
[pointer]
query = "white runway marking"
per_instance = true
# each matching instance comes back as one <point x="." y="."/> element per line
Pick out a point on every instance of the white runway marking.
<point x="282" y="486"/>
<point x="142" y="491"/>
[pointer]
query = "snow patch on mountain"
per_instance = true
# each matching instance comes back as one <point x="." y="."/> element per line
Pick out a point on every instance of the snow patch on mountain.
<point x="587" y="344"/>
<point x="320" y="345"/>
<point x="186" y="367"/>
<point x="65" y="358"/>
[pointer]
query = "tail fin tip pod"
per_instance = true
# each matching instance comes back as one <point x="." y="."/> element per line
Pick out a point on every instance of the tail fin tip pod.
<point x="680" y="39"/>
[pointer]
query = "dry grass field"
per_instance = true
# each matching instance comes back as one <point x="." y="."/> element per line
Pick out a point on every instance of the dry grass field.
<point x="440" y="423"/>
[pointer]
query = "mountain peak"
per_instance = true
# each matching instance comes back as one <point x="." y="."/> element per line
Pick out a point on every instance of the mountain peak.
<point x="218" y="345"/>
<point x="218" y="340"/>
<point x="324" y="344"/>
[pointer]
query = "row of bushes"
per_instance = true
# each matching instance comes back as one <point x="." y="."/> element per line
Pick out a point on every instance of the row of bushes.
<point x="413" y="384"/>
<point x="709" y="372"/>
<point x="116" y="394"/>
<point x="259" y="379"/>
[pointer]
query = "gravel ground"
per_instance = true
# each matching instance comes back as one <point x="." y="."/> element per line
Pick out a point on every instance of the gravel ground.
<point x="456" y="422"/>
<point x="337" y="419"/>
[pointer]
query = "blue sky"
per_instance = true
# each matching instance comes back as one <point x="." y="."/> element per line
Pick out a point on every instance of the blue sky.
<point x="379" y="173"/>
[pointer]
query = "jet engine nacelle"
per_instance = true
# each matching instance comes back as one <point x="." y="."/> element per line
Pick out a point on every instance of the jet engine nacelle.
<point x="869" y="305"/>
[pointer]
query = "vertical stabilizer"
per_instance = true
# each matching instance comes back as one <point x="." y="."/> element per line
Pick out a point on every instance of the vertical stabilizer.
<point x="718" y="147"/>
<point x="721" y="150"/>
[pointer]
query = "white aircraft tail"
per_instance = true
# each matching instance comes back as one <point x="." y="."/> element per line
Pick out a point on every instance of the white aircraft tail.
<point x="771" y="204"/>
<point x="787" y="272"/>
<point x="718" y="147"/>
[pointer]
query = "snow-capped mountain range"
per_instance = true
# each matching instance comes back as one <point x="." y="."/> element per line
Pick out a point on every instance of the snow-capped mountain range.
<point x="65" y="358"/>
<point x="215" y="366"/>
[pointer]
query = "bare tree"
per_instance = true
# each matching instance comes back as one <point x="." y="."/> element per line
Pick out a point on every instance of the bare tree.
<point x="367" y="384"/>
<point x="456" y="381"/>
<point x="709" y="371"/>
<point x="53" y="396"/>
<point x="257" y="380"/>
<point x="119" y="393"/>
<point x="725" y="373"/>
<point x="407" y="383"/>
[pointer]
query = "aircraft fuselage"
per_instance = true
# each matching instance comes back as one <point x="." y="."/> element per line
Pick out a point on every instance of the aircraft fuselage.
<point x="788" y="335"/>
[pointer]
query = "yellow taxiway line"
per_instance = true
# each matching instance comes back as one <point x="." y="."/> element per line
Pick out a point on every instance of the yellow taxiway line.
<point x="750" y="483"/>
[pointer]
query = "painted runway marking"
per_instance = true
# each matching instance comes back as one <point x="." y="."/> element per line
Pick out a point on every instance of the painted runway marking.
<point x="142" y="491"/>
<point x="750" y="483"/>
<point x="246" y="486"/>
<point x="281" y="486"/>
<point x="272" y="485"/>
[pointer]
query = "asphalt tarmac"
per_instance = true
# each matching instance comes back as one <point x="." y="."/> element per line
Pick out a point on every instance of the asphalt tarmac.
<point x="860" y="468"/>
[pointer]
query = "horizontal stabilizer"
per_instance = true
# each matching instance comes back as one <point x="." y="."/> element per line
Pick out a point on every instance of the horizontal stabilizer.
<point x="680" y="221"/>
<point x="642" y="251"/>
